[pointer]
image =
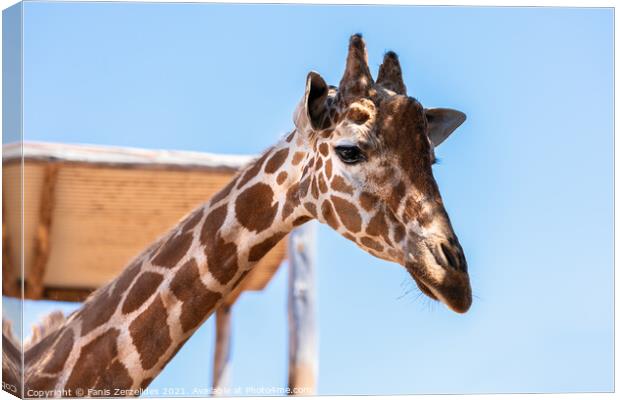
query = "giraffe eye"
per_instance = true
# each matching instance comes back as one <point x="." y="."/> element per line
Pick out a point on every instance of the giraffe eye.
<point x="350" y="154"/>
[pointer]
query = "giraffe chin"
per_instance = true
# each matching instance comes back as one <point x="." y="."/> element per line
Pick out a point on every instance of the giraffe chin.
<point x="455" y="293"/>
<point x="425" y="289"/>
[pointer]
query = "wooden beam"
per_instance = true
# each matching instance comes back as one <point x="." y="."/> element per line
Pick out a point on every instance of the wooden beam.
<point x="221" y="357"/>
<point x="34" y="277"/>
<point x="303" y="363"/>
<point x="67" y="294"/>
<point x="128" y="166"/>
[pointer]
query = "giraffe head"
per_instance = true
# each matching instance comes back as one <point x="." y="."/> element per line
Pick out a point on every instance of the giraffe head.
<point x="369" y="173"/>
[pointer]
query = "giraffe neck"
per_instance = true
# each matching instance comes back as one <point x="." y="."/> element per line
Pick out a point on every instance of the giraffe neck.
<point x="128" y="330"/>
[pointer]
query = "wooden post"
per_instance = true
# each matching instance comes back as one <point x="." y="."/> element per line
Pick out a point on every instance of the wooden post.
<point x="10" y="285"/>
<point x="303" y="363"/>
<point x="221" y="357"/>
<point x="34" y="277"/>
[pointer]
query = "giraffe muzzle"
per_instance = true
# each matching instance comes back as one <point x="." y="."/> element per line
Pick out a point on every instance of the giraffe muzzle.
<point x="454" y="292"/>
<point x="440" y="272"/>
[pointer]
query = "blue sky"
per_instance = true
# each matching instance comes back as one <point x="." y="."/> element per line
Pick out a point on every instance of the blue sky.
<point x="527" y="180"/>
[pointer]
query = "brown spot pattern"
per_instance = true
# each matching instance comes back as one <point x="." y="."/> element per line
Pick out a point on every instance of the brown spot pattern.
<point x="101" y="307"/>
<point x="253" y="170"/>
<point x="324" y="149"/>
<point x="290" y="137"/>
<point x="62" y="349"/>
<point x="328" y="169"/>
<point x="348" y="214"/>
<point x="377" y="227"/>
<point x="115" y="377"/>
<point x="222" y="259"/>
<point x="303" y="187"/>
<point x="349" y="236"/>
<point x="214" y="221"/>
<point x="318" y="164"/>
<point x="397" y="195"/>
<point x="339" y="184"/>
<point x="311" y="208"/>
<point x="197" y="300"/>
<point x="399" y="233"/>
<point x="258" y="251"/>
<point x="328" y="132"/>
<point x="328" y="214"/>
<point x="126" y="277"/>
<point x="150" y="333"/>
<point x="276" y="161"/>
<point x="94" y="359"/>
<point x="292" y="201"/>
<point x="301" y="220"/>
<point x="192" y="220"/>
<point x="34" y="353"/>
<point x="297" y="157"/>
<point x="322" y="184"/>
<point x="371" y="244"/>
<point x="253" y="207"/>
<point x="146" y="284"/>
<point x="221" y="255"/>
<point x="172" y="251"/>
<point x="281" y="177"/>
<point x="368" y="201"/>
<point x="314" y="188"/>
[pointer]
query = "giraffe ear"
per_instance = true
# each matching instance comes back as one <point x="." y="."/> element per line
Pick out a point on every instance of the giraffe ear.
<point x="442" y="122"/>
<point x="315" y="101"/>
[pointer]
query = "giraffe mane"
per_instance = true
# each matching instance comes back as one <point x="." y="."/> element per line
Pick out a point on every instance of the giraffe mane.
<point x="47" y="325"/>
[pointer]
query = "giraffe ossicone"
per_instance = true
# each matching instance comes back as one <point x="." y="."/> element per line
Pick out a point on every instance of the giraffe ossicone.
<point x="359" y="159"/>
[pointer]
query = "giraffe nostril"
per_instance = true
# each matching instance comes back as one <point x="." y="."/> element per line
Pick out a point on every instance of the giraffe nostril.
<point x="454" y="256"/>
<point x="452" y="260"/>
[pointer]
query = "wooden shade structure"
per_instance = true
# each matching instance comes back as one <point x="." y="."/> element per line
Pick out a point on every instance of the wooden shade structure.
<point x="88" y="210"/>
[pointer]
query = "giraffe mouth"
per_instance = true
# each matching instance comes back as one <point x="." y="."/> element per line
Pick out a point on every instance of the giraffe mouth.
<point x="454" y="290"/>
<point x="424" y="289"/>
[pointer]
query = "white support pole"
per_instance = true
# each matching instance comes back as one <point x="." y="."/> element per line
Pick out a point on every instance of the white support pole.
<point x="221" y="357"/>
<point x="303" y="360"/>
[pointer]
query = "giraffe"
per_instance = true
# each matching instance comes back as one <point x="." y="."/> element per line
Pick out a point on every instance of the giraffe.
<point x="358" y="159"/>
